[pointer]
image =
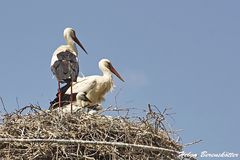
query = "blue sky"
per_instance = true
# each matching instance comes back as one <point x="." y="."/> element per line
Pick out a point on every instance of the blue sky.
<point x="179" y="54"/>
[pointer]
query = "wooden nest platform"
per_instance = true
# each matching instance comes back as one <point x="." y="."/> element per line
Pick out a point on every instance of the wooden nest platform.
<point x="32" y="133"/>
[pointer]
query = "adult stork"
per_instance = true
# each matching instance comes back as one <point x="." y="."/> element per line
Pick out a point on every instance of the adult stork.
<point x="90" y="91"/>
<point x="64" y="63"/>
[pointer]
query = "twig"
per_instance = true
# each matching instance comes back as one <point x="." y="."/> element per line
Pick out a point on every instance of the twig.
<point x="33" y="132"/>
<point x="192" y="143"/>
<point x="115" y="98"/>
<point x="83" y="142"/>
<point x="17" y="103"/>
<point x="3" y="105"/>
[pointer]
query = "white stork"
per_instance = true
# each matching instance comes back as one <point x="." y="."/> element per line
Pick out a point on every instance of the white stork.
<point x="90" y="91"/>
<point x="64" y="63"/>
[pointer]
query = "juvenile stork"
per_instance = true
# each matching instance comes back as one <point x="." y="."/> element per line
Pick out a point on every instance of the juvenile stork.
<point x="90" y="91"/>
<point x="64" y="63"/>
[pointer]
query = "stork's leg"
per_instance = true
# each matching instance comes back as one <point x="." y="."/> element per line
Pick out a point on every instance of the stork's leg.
<point x="59" y="95"/>
<point x="71" y="97"/>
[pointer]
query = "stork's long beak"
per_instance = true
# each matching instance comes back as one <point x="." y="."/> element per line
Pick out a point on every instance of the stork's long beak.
<point x="113" y="70"/>
<point x="74" y="37"/>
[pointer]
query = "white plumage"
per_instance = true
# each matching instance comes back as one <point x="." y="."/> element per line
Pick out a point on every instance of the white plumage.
<point x="64" y="63"/>
<point x="91" y="90"/>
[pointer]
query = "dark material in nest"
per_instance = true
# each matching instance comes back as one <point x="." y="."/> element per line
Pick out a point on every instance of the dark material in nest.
<point x="39" y="124"/>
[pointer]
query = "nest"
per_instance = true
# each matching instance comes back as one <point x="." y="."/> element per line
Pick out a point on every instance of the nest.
<point x="32" y="133"/>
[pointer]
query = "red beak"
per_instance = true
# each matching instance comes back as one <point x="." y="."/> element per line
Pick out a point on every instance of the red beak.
<point x="79" y="43"/>
<point x="113" y="70"/>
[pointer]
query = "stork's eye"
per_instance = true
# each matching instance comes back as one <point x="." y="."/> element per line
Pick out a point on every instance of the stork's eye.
<point x="74" y="33"/>
<point x="108" y="64"/>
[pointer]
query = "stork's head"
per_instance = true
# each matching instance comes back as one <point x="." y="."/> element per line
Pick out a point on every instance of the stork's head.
<point x="69" y="33"/>
<point x="106" y="66"/>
